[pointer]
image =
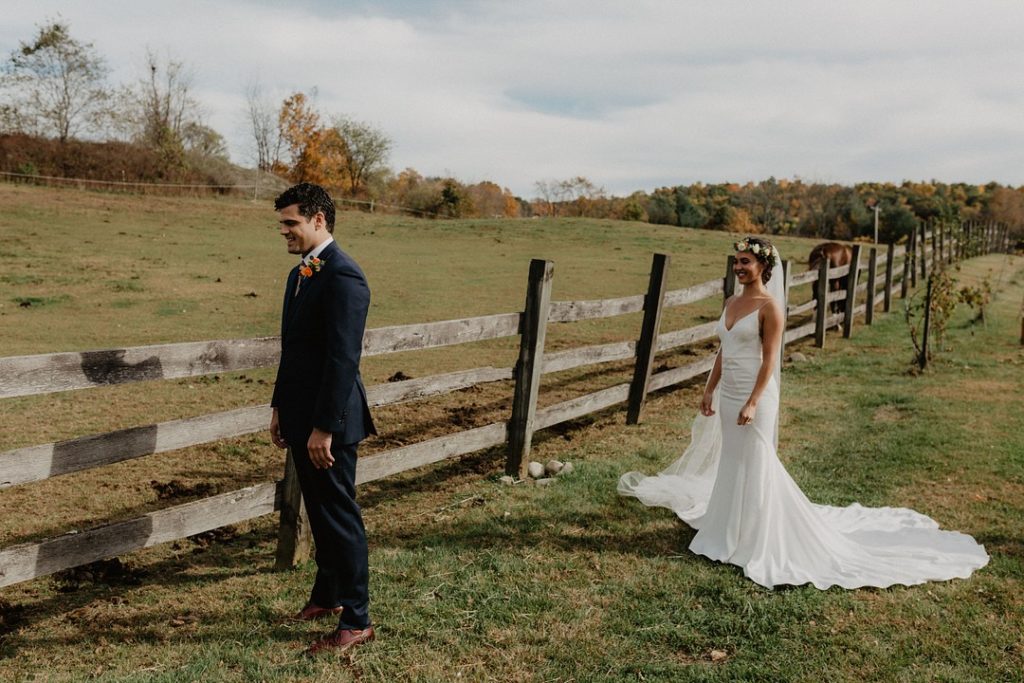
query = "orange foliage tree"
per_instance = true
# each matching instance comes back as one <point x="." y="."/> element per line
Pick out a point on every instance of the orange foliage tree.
<point x="315" y="153"/>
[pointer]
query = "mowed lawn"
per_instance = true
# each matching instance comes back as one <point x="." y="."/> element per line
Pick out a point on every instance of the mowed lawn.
<point x="473" y="580"/>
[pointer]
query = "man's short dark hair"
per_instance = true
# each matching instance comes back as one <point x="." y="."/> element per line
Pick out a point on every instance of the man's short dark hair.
<point x="312" y="199"/>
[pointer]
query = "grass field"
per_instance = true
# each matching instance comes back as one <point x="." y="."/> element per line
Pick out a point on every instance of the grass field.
<point x="473" y="580"/>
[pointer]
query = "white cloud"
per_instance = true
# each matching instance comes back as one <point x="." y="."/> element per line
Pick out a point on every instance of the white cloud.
<point x="633" y="95"/>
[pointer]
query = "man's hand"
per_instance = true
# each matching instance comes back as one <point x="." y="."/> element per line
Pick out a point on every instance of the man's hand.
<point x="319" y="448"/>
<point x="275" y="431"/>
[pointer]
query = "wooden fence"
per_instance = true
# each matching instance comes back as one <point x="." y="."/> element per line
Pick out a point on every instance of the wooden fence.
<point x="888" y="272"/>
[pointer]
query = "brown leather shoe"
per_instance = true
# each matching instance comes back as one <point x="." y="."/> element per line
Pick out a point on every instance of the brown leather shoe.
<point x="311" y="612"/>
<point x="341" y="640"/>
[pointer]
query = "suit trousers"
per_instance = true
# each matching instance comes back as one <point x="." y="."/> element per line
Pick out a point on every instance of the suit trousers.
<point x="342" y="575"/>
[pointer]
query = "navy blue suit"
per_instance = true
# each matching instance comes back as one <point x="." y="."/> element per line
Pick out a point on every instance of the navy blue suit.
<point x="318" y="385"/>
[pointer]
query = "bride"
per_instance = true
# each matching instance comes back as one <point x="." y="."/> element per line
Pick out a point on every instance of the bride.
<point x="730" y="486"/>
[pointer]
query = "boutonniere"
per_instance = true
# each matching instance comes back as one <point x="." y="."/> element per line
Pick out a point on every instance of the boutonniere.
<point x="314" y="266"/>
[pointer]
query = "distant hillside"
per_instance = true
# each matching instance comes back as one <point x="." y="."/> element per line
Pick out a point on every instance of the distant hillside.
<point x="120" y="162"/>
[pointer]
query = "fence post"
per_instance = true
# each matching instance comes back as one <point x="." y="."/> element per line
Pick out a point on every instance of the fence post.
<point x="531" y="357"/>
<point x="821" y="310"/>
<point x="293" y="536"/>
<point x="910" y="255"/>
<point x="647" y="345"/>
<point x="851" y="292"/>
<point x="924" y="252"/>
<point x="890" y="254"/>
<point x="936" y="263"/>
<point x="869" y="312"/>
<point x="729" y="286"/>
<point x="787" y="272"/>
<point x="941" y="228"/>
<point x="923" y="360"/>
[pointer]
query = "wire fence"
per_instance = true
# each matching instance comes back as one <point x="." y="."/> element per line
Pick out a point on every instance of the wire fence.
<point x="254" y="190"/>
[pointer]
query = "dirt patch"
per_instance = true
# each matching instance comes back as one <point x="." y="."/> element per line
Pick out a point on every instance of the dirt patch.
<point x="887" y="413"/>
<point x="11" y="617"/>
<point x="175" y="488"/>
<point x="111" y="572"/>
<point x="207" y="538"/>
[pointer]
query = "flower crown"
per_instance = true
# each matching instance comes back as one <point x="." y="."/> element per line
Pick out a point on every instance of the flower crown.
<point x="769" y="254"/>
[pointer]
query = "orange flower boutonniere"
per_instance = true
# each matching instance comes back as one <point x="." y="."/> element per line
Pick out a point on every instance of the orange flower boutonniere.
<point x="314" y="266"/>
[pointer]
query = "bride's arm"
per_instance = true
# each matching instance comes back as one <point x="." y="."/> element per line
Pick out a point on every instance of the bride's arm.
<point x="770" y="344"/>
<point x="709" y="388"/>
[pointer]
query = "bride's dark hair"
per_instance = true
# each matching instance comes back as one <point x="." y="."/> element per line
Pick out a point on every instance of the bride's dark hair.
<point x="765" y="254"/>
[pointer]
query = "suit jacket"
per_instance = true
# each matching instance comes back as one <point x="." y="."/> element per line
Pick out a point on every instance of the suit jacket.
<point x="318" y="382"/>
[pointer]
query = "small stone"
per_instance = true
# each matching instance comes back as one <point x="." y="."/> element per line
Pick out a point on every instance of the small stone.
<point x="797" y="357"/>
<point x="553" y="467"/>
<point x="567" y="468"/>
<point x="535" y="469"/>
<point x="718" y="655"/>
<point x="546" y="481"/>
<point x="508" y="480"/>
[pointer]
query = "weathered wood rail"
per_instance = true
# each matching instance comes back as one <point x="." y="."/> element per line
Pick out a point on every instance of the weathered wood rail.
<point x="45" y="373"/>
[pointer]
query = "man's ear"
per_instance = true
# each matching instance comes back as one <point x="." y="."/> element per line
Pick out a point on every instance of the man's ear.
<point x="319" y="221"/>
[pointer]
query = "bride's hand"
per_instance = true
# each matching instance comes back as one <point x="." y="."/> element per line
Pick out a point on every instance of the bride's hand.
<point x="705" y="405"/>
<point x="746" y="415"/>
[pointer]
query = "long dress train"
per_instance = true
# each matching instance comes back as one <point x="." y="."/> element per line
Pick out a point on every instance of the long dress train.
<point x="748" y="511"/>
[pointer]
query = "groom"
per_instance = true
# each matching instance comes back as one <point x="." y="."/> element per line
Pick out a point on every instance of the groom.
<point x="320" y="409"/>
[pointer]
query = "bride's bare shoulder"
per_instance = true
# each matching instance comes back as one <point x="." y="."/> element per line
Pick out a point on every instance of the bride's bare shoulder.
<point x="771" y="307"/>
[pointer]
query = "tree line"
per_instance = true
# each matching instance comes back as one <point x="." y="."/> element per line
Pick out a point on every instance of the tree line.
<point x="56" y="98"/>
<point x="810" y="209"/>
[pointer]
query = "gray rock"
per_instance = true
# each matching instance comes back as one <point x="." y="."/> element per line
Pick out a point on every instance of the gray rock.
<point x="567" y="468"/>
<point x="797" y="357"/>
<point x="553" y="467"/>
<point x="535" y="469"/>
<point x="508" y="480"/>
<point x="546" y="481"/>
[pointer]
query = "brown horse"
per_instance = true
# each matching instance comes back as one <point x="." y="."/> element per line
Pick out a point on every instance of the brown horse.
<point x="838" y="255"/>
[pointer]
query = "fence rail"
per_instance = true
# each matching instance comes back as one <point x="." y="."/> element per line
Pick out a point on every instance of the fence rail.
<point x="41" y="374"/>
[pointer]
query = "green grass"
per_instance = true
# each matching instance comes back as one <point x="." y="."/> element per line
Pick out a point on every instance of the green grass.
<point x="473" y="580"/>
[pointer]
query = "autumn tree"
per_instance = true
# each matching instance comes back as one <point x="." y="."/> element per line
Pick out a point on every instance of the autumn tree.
<point x="55" y="85"/>
<point x="490" y="200"/>
<point x="1006" y="205"/>
<point x="160" y="112"/>
<point x="262" y="118"/>
<point x="576" y="196"/>
<point x="365" y="152"/>
<point x="303" y="139"/>
<point x="203" y="141"/>
<point x="165" y="101"/>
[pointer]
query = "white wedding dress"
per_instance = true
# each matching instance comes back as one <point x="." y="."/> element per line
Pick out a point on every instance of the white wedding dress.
<point x="730" y="486"/>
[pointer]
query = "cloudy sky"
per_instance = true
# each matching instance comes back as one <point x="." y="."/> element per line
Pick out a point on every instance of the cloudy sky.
<point x="633" y="95"/>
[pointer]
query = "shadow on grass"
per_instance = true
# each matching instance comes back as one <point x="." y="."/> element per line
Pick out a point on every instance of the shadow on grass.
<point x="74" y="595"/>
<point x="609" y="524"/>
